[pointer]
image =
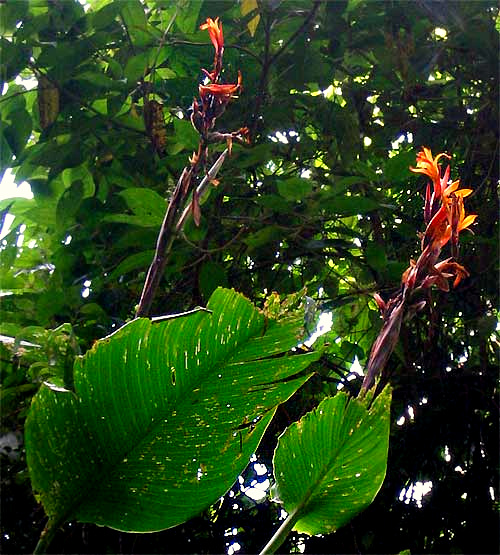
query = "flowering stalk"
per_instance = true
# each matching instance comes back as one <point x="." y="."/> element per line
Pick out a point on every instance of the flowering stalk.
<point x="213" y="100"/>
<point x="445" y="218"/>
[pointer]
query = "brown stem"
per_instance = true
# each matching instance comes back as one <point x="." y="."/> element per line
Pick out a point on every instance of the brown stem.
<point x="386" y="341"/>
<point x="170" y="230"/>
<point x="163" y="244"/>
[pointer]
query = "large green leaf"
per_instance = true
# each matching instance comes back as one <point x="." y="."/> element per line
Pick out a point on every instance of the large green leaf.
<point x="164" y="416"/>
<point x="330" y="465"/>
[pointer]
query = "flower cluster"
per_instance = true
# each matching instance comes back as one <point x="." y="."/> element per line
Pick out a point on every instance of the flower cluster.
<point x="214" y="96"/>
<point x="445" y="218"/>
<point x="444" y="215"/>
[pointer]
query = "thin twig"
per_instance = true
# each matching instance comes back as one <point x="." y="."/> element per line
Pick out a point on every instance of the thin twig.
<point x="269" y="60"/>
<point x="226" y="47"/>
<point x="217" y="249"/>
<point x="306" y="22"/>
<point x="164" y="38"/>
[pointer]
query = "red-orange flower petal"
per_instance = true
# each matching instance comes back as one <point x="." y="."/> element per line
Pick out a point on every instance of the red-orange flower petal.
<point x="214" y="29"/>
<point x="223" y="92"/>
<point x="428" y="165"/>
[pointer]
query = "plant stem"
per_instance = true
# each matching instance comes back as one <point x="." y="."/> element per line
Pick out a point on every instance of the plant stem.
<point x="169" y="231"/>
<point x="281" y="534"/>
<point x="163" y="246"/>
<point x="47" y="535"/>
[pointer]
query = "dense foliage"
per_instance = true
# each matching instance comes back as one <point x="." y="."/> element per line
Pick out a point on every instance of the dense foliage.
<point x="338" y="97"/>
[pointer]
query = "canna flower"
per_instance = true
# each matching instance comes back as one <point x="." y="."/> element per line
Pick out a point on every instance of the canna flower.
<point x="438" y="232"/>
<point x="450" y="269"/>
<point x="441" y="192"/>
<point x="453" y="188"/>
<point x="223" y="93"/>
<point x="214" y="29"/>
<point x="215" y="33"/>
<point x="457" y="220"/>
<point x="445" y="218"/>
<point x="428" y="165"/>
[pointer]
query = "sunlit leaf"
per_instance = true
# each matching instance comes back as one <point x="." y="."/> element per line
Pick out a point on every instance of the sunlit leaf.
<point x="330" y="465"/>
<point x="164" y="416"/>
<point x="248" y="6"/>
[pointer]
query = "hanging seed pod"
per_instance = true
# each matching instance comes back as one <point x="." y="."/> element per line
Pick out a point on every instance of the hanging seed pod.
<point x="155" y="125"/>
<point x="48" y="101"/>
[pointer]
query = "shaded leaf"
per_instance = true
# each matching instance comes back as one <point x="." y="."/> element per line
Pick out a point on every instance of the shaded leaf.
<point x="137" y="261"/>
<point x="145" y="203"/>
<point x="349" y="205"/>
<point x="211" y="276"/>
<point x="136" y="21"/>
<point x="294" y="188"/>
<point x="187" y="16"/>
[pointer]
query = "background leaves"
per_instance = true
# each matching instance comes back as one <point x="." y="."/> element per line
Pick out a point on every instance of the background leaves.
<point x="316" y="92"/>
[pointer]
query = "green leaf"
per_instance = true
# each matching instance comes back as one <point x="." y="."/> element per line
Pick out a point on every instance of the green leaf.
<point x="263" y="236"/>
<point x="69" y="204"/>
<point x="136" y="22"/>
<point x="211" y="276"/>
<point x="274" y="202"/>
<point x="187" y="16"/>
<point x="147" y="205"/>
<point x="349" y="205"/>
<point x="397" y="168"/>
<point x="19" y="132"/>
<point x="137" y="261"/>
<point x="185" y="135"/>
<point x="64" y="58"/>
<point x="164" y="416"/>
<point x="376" y="256"/>
<point x="5" y="155"/>
<point x="101" y="80"/>
<point x="330" y="465"/>
<point x="294" y="188"/>
<point x="13" y="60"/>
<point x="80" y="173"/>
<point x="352" y="5"/>
<point x="136" y="66"/>
<point x="105" y="16"/>
<point x="12" y="13"/>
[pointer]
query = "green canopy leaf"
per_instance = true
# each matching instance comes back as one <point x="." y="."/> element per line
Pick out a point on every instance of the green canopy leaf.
<point x="330" y="465"/>
<point x="164" y="415"/>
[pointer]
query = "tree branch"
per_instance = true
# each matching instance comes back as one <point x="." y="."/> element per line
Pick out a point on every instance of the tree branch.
<point x="269" y="60"/>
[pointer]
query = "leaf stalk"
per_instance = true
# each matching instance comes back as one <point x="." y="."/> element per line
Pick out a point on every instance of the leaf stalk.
<point x="47" y="535"/>
<point x="281" y="533"/>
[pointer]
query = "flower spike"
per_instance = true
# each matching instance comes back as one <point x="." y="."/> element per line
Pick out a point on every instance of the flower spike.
<point x="445" y="218"/>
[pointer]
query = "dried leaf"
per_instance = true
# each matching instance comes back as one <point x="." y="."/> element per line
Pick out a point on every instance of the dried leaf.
<point x="48" y="101"/>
